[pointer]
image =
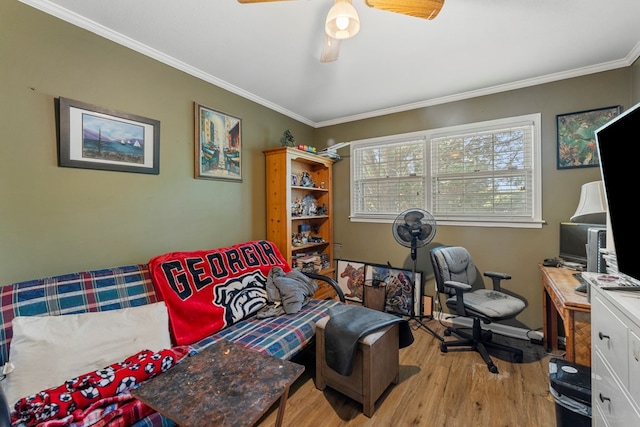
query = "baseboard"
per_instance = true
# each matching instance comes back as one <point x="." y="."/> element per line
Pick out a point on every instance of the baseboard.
<point x="500" y="329"/>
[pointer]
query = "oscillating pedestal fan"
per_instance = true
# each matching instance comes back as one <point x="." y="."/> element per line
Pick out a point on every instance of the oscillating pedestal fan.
<point x="415" y="228"/>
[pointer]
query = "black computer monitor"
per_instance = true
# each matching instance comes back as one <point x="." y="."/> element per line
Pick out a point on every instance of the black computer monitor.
<point x="574" y="237"/>
<point x="618" y="146"/>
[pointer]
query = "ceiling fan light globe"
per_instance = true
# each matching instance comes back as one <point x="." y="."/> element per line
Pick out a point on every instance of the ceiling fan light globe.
<point x="342" y="21"/>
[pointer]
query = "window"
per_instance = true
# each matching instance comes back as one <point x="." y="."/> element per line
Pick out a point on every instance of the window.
<point x="477" y="174"/>
<point x="388" y="176"/>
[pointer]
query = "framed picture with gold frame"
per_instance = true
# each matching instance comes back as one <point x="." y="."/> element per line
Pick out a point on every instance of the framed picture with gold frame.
<point x="218" y="145"/>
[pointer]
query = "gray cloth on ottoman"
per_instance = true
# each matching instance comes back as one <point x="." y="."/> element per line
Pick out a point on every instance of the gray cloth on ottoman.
<point x="347" y="324"/>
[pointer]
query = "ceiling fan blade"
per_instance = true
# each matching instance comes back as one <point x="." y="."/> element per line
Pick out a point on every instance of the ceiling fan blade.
<point x="426" y="9"/>
<point x="330" y="49"/>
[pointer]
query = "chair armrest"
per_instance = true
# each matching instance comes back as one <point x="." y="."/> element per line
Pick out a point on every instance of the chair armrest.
<point x="496" y="278"/>
<point x="458" y="285"/>
<point x="330" y="281"/>
<point x="460" y="289"/>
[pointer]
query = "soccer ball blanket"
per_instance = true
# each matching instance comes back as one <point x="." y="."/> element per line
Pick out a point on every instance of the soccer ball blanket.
<point x="208" y="290"/>
<point x="97" y="398"/>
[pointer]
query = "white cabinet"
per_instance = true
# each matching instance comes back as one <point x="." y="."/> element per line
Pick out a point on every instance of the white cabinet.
<point x="615" y="365"/>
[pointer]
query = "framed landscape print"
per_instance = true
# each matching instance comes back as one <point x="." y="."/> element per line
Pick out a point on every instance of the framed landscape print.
<point x="576" y="136"/>
<point x="218" y="145"/>
<point x="350" y="277"/>
<point x="402" y="297"/>
<point x="93" y="137"/>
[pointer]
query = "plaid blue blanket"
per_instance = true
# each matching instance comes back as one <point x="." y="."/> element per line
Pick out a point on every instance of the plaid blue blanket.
<point x="82" y="292"/>
<point x="130" y="286"/>
<point x="282" y="336"/>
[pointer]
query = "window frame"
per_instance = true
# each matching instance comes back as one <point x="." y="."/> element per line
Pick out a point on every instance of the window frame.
<point x="533" y="221"/>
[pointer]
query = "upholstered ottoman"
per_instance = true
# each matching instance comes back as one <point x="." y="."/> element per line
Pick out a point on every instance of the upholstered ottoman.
<point x="375" y="366"/>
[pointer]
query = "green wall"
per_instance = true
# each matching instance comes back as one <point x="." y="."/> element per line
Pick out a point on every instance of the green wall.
<point x="512" y="250"/>
<point x="57" y="220"/>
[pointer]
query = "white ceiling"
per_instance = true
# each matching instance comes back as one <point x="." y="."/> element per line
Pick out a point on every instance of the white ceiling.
<point x="270" y="52"/>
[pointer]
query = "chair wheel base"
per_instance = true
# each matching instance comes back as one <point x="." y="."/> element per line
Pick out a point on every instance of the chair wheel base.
<point x="480" y="341"/>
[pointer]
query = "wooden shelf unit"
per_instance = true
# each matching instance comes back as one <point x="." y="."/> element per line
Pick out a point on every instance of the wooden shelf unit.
<point x="281" y="193"/>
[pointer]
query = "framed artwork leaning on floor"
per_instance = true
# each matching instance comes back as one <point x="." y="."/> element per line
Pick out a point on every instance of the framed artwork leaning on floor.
<point x="401" y="295"/>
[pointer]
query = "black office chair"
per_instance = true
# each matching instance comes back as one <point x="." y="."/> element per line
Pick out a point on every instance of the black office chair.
<point x="455" y="273"/>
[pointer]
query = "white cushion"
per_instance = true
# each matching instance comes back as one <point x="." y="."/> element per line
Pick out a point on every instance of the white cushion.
<point x="48" y="350"/>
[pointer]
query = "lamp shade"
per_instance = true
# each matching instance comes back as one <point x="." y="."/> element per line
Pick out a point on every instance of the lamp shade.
<point x="342" y="20"/>
<point x="592" y="208"/>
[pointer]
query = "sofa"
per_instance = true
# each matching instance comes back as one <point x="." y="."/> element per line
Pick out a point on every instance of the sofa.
<point x="180" y="301"/>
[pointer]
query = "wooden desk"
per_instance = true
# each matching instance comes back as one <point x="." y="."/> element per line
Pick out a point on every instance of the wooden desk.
<point x="223" y="385"/>
<point x="559" y="299"/>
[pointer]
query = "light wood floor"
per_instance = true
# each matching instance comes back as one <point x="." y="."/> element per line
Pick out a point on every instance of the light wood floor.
<point x="436" y="389"/>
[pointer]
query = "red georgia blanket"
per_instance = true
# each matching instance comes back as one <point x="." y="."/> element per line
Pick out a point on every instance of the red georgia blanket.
<point x="97" y="398"/>
<point x="208" y="290"/>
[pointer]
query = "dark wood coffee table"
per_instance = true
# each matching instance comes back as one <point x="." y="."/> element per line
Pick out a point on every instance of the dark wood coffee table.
<point x="223" y="385"/>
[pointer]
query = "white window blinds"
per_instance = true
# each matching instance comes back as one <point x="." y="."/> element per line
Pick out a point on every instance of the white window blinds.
<point x="388" y="177"/>
<point x="483" y="174"/>
<point x="486" y="173"/>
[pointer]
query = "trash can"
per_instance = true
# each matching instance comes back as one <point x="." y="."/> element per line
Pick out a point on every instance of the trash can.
<point x="570" y="386"/>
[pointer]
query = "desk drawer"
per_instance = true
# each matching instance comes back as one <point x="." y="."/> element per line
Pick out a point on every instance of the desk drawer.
<point x="609" y="398"/>
<point x="634" y="364"/>
<point x="610" y="338"/>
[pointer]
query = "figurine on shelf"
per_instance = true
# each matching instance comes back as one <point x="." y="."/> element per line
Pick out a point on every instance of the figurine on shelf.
<point x="296" y="240"/>
<point x="305" y="179"/>
<point x="297" y="208"/>
<point x="294" y="179"/>
<point x="310" y="205"/>
<point x="287" y="139"/>
<point x="322" y="210"/>
<point x="304" y="233"/>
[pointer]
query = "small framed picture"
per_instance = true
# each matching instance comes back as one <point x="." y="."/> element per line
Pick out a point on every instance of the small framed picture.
<point x="576" y="136"/>
<point x="350" y="277"/>
<point x="218" y="145"/>
<point x="93" y="137"/>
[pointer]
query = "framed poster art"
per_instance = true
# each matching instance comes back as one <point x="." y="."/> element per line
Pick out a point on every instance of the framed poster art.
<point x="350" y="278"/>
<point x="218" y="145"/>
<point x="92" y="137"/>
<point x="576" y="136"/>
<point x="402" y="297"/>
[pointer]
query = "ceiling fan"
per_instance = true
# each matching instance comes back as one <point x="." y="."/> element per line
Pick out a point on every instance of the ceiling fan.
<point x="343" y="22"/>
